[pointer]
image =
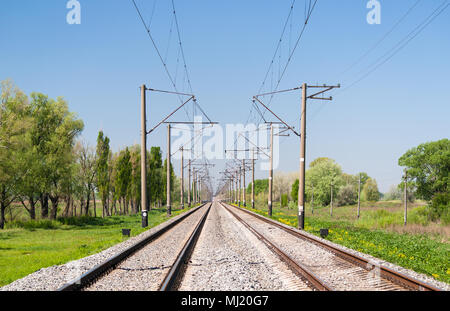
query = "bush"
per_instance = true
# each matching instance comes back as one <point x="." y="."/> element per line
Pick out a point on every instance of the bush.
<point x="347" y="196"/>
<point x="394" y="193"/>
<point x="370" y="191"/>
<point x="439" y="207"/>
<point x="292" y="205"/>
<point x="284" y="200"/>
<point x="33" y="224"/>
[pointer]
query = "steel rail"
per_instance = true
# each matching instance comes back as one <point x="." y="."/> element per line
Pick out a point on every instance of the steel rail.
<point x="395" y="277"/>
<point x="313" y="280"/>
<point x="101" y="269"/>
<point x="170" y="281"/>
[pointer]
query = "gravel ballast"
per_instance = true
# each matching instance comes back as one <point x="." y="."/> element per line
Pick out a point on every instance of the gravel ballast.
<point x="54" y="277"/>
<point x="338" y="273"/>
<point x="146" y="269"/>
<point x="228" y="257"/>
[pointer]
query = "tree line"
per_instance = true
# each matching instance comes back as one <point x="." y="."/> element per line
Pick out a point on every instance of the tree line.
<point x="427" y="177"/>
<point x="323" y="177"/>
<point x="44" y="164"/>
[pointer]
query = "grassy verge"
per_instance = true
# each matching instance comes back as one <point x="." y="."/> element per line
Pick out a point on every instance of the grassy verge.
<point x="421" y="252"/>
<point x="26" y="247"/>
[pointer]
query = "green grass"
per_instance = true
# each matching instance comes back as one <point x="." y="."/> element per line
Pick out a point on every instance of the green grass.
<point x="27" y="246"/>
<point x="422" y="252"/>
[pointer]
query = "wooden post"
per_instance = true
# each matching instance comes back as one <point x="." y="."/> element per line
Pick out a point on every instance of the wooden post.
<point x="182" y="180"/>
<point x="189" y="183"/>
<point x="331" y="203"/>
<point x="239" y="189"/>
<point x="169" y="202"/>
<point x="269" y="203"/>
<point x="253" y="179"/>
<point x="406" y="198"/>
<point x="359" y="195"/>
<point x="301" y="180"/>
<point x="144" y="212"/>
<point x="243" y="184"/>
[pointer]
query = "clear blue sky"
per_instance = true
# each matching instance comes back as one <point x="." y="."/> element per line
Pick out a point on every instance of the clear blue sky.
<point x="98" y="66"/>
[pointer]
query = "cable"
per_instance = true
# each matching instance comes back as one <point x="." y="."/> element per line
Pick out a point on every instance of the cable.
<point x="310" y="10"/>
<point x="159" y="54"/>
<point x="402" y="43"/>
<point x="372" y="48"/>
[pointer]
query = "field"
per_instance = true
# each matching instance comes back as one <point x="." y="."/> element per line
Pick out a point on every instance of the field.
<point x="422" y="246"/>
<point x="27" y="246"/>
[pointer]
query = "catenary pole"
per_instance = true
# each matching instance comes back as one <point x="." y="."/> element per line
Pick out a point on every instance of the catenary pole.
<point x="144" y="212"/>
<point x="270" y="172"/>
<point x="169" y="203"/>
<point x="301" y="181"/>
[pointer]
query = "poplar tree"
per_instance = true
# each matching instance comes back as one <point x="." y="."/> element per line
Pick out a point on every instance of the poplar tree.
<point x="103" y="181"/>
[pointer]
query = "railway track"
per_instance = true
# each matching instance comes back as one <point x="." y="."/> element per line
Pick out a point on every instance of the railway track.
<point x="159" y="261"/>
<point x="322" y="265"/>
<point x="119" y="272"/>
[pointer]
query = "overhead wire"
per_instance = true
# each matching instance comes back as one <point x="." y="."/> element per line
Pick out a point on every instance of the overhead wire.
<point x="395" y="49"/>
<point x="401" y="44"/>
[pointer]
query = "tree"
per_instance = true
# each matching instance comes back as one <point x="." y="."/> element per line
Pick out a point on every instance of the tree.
<point x="394" y="193"/>
<point x="164" y="179"/>
<point x="135" y="187"/>
<point x="155" y="185"/>
<point x="123" y="177"/>
<point x="347" y="195"/>
<point x="103" y="170"/>
<point x="427" y="169"/>
<point x="284" y="200"/>
<point x="323" y="174"/>
<point x="261" y="186"/>
<point x="13" y="126"/>
<point x="370" y="191"/>
<point x="88" y="171"/>
<point x="294" y="191"/>
<point x="53" y="134"/>
<point x="428" y="165"/>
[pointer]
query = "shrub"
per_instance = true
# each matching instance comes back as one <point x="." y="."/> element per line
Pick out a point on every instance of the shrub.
<point x="347" y="196"/>
<point x="439" y="207"/>
<point x="33" y="224"/>
<point x="370" y="191"/>
<point x="284" y="200"/>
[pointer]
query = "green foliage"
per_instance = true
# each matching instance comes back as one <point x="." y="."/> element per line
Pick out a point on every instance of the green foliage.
<point x="323" y="175"/>
<point x="440" y="207"/>
<point x="294" y="191"/>
<point x="261" y="186"/>
<point x="14" y="123"/>
<point x="428" y="166"/>
<point x="394" y="193"/>
<point x="419" y="252"/>
<point x="370" y="191"/>
<point x="32" y="225"/>
<point x="155" y="188"/>
<point x="29" y="246"/>
<point x="123" y="177"/>
<point x="427" y="169"/>
<point x="347" y="195"/>
<point x="284" y="200"/>
<point x="103" y="171"/>
<point x="164" y="179"/>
